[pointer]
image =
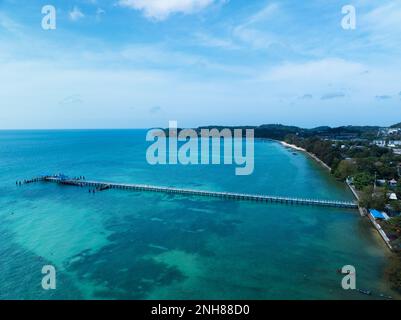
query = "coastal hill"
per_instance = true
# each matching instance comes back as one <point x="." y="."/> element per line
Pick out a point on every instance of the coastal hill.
<point x="279" y="131"/>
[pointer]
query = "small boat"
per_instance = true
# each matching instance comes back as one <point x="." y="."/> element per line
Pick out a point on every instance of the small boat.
<point x="367" y="292"/>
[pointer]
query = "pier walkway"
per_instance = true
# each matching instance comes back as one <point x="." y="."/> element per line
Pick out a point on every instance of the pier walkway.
<point x="81" y="182"/>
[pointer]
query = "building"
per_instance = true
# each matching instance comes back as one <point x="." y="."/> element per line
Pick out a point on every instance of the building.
<point x="393" y="131"/>
<point x="391" y="211"/>
<point x="380" y="143"/>
<point x="377" y="215"/>
<point x="381" y="182"/>
<point x="394" y="143"/>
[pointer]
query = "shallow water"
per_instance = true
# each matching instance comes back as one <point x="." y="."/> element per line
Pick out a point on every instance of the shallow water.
<point x="133" y="245"/>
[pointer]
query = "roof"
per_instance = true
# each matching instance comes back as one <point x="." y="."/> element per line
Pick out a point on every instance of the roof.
<point x="393" y="196"/>
<point x="376" y="214"/>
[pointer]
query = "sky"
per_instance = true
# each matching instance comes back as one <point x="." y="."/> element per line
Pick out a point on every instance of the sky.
<point x="141" y="63"/>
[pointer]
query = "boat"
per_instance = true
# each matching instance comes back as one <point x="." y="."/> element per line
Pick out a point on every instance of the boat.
<point x="367" y="292"/>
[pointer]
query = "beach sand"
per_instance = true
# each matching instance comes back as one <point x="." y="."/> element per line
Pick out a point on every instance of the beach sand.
<point x="293" y="146"/>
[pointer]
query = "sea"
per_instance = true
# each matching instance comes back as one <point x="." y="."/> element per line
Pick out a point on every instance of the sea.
<point x="119" y="244"/>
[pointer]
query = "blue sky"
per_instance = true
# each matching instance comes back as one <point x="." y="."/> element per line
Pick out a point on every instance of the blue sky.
<point x="141" y="63"/>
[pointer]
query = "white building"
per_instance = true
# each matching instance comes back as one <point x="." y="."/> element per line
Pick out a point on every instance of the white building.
<point x="381" y="182"/>
<point x="380" y="143"/>
<point x="389" y="131"/>
<point x="397" y="151"/>
<point x="394" y="143"/>
<point x="393" y="131"/>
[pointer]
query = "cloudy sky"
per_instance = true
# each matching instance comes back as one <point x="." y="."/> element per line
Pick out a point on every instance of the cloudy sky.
<point x="141" y="63"/>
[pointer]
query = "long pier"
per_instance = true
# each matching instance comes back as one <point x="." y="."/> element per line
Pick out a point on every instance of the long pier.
<point x="100" y="186"/>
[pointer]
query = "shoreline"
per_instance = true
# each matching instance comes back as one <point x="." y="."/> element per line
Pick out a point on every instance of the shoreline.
<point x="293" y="146"/>
<point x="364" y="213"/>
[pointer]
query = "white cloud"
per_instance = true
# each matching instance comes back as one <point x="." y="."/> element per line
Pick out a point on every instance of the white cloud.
<point x="99" y="13"/>
<point x="208" y="40"/>
<point x="76" y="14"/>
<point x="161" y="9"/>
<point x="251" y="35"/>
<point x="266" y="13"/>
<point x="8" y="24"/>
<point x="255" y="38"/>
<point x="326" y="70"/>
<point x="383" y="24"/>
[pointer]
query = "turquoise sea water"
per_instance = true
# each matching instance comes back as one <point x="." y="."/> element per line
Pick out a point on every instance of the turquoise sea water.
<point x="132" y="245"/>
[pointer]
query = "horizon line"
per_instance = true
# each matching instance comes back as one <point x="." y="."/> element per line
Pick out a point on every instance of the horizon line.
<point x="200" y="126"/>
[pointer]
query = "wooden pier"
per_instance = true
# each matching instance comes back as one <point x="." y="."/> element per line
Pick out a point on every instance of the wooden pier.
<point x="222" y="195"/>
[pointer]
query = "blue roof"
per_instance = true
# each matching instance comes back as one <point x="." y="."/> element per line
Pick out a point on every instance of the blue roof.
<point x="376" y="214"/>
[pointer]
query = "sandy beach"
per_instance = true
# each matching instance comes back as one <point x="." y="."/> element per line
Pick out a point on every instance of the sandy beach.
<point x="293" y="146"/>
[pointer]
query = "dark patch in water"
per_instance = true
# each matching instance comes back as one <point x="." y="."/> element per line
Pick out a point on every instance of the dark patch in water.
<point x="125" y="266"/>
<point x="140" y="275"/>
<point x="20" y="275"/>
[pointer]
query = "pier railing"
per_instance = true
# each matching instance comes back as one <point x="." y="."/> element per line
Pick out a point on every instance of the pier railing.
<point x="99" y="185"/>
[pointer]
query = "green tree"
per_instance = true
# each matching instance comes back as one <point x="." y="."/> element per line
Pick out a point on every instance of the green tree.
<point x="395" y="222"/>
<point x="362" y="180"/>
<point x="373" y="199"/>
<point x="398" y="189"/>
<point x="345" y="169"/>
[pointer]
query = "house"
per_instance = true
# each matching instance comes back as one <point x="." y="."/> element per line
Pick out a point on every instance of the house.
<point x="391" y="210"/>
<point x="380" y="143"/>
<point x="393" y="131"/>
<point x="389" y="131"/>
<point x="394" y="143"/>
<point x="381" y="182"/>
<point x="376" y="214"/>
<point x="392" y="196"/>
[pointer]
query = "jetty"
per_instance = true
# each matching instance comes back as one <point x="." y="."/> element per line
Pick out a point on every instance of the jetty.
<point x="100" y="186"/>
